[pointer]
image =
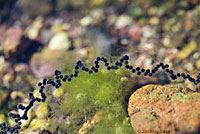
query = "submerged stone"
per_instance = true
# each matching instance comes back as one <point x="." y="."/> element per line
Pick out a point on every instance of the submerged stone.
<point x="59" y="41"/>
<point x="172" y="108"/>
<point x="42" y="111"/>
<point x="187" y="50"/>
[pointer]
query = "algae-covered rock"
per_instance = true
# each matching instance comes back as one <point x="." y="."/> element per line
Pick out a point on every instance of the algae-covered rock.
<point x="94" y="103"/>
<point x="2" y="118"/>
<point x="58" y="92"/>
<point x="172" y="108"/>
<point x="38" y="124"/>
<point x="42" y="111"/>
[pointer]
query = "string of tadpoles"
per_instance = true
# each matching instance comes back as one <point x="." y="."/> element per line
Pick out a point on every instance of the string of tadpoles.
<point x="79" y="66"/>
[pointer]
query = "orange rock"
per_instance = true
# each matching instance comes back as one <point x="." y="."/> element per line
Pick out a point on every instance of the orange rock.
<point x="171" y="108"/>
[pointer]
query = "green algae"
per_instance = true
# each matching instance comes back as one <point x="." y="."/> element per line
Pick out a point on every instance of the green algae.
<point x="89" y="94"/>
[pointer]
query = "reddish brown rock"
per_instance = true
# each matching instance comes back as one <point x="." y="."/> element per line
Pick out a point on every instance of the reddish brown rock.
<point x="17" y="47"/>
<point x="12" y="40"/>
<point x="172" y="108"/>
<point x="135" y="32"/>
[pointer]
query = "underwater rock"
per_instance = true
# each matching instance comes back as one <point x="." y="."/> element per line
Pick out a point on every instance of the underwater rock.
<point x="123" y="20"/>
<point x="135" y="32"/>
<point x="85" y="21"/>
<point x="154" y="21"/>
<point x="187" y="50"/>
<point x="59" y="41"/>
<point x="17" y="47"/>
<point x="42" y="111"/>
<point x="43" y="64"/>
<point x="172" y="108"/>
<point x="38" y="124"/>
<point x="4" y="66"/>
<point x="2" y="118"/>
<point x="58" y="92"/>
<point x="197" y="64"/>
<point x="33" y="30"/>
<point x="11" y="40"/>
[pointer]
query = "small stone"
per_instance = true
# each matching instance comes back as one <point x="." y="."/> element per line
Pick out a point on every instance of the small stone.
<point x="135" y="32"/>
<point x="85" y="21"/>
<point x="122" y="21"/>
<point x="2" y="118"/>
<point x="187" y="50"/>
<point x="58" y="92"/>
<point x="154" y="21"/>
<point x="59" y="41"/>
<point x="34" y="29"/>
<point x="197" y="64"/>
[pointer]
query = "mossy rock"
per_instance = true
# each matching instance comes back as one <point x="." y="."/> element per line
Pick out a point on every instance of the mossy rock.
<point x="172" y="108"/>
<point x="91" y="94"/>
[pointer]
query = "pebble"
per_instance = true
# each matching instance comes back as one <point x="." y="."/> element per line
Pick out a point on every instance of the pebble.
<point x="135" y="32"/>
<point x="33" y="30"/>
<point x="85" y="21"/>
<point x="59" y="41"/>
<point x="123" y="21"/>
<point x="154" y="21"/>
<point x="58" y="92"/>
<point x="197" y="64"/>
<point x="187" y="50"/>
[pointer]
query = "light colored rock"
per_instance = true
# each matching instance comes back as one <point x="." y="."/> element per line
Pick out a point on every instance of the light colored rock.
<point x="33" y="30"/>
<point x="85" y="21"/>
<point x="59" y="41"/>
<point x="58" y="92"/>
<point x="122" y="21"/>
